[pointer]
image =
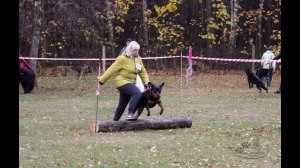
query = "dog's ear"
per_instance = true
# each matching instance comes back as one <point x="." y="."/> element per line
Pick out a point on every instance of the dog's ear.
<point x="149" y="83"/>
<point x="161" y="86"/>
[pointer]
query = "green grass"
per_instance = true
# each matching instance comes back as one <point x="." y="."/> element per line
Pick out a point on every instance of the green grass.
<point x="55" y="125"/>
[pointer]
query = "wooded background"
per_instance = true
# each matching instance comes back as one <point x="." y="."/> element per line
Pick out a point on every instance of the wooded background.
<point x="214" y="28"/>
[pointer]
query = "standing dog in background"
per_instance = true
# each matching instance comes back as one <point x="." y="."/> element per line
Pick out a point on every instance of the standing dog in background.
<point x="253" y="79"/>
<point x="82" y="70"/>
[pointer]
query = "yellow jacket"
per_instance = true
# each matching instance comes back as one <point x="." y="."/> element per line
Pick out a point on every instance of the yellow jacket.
<point x="126" y="69"/>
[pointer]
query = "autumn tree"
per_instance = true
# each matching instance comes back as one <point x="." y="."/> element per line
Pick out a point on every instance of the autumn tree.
<point x="214" y="28"/>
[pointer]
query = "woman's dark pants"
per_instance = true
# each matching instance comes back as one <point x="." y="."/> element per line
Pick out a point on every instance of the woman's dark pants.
<point x="129" y="93"/>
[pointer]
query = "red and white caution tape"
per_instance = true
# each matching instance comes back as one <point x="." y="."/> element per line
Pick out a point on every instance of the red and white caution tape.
<point x="233" y="60"/>
<point x="155" y="58"/>
<point x="70" y="59"/>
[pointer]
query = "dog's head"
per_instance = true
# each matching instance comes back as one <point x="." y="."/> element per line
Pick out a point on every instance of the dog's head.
<point x="154" y="90"/>
<point x="248" y="72"/>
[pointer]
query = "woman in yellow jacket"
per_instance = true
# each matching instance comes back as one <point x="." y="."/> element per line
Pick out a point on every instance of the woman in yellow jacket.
<point x="126" y="68"/>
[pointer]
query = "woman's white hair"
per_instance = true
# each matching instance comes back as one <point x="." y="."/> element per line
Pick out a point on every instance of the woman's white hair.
<point x="131" y="46"/>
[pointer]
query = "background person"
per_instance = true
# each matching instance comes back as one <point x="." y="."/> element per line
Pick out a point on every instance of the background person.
<point x="26" y="75"/>
<point x="127" y="42"/>
<point x="268" y="67"/>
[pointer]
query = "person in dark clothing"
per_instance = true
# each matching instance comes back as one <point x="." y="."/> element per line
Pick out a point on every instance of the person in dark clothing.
<point x="26" y="75"/>
<point x="127" y="42"/>
<point x="278" y="57"/>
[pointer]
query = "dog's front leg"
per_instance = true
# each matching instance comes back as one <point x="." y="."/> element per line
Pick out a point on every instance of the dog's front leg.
<point x="161" y="107"/>
<point x="148" y="110"/>
<point x="139" y="112"/>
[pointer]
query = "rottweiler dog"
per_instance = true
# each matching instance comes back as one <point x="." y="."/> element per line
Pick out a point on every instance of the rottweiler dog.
<point x="150" y="97"/>
<point x="253" y="79"/>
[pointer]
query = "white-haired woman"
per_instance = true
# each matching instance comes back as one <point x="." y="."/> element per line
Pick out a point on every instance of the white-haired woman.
<point x="126" y="68"/>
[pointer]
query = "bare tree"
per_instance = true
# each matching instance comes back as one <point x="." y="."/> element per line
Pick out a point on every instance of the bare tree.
<point x="261" y="4"/>
<point x="232" y="38"/>
<point x="110" y="27"/>
<point x="145" y="27"/>
<point x="145" y="23"/>
<point x="79" y="27"/>
<point x="209" y="18"/>
<point x="37" y="22"/>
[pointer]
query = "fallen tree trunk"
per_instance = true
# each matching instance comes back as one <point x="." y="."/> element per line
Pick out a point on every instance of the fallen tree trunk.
<point x="141" y="124"/>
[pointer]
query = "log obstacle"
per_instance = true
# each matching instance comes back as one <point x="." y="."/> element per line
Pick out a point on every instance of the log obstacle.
<point x="142" y="124"/>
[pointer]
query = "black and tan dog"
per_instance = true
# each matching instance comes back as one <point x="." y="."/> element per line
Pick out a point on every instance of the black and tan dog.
<point x="150" y="97"/>
<point x="253" y="79"/>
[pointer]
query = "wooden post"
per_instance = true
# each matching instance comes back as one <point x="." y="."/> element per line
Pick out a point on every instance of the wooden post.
<point x="142" y="124"/>
<point x="103" y="58"/>
<point x="253" y="57"/>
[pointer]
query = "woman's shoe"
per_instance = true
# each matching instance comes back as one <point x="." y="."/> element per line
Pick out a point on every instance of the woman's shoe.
<point x="130" y="117"/>
<point x="277" y="92"/>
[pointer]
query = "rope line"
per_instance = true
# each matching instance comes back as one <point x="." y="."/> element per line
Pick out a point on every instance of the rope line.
<point x="155" y="58"/>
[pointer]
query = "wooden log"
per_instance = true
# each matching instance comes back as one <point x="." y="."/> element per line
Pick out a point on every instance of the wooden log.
<point x="142" y="124"/>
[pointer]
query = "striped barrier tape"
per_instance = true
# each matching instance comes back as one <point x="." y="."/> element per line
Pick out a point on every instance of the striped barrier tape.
<point x="155" y="58"/>
<point x="233" y="60"/>
<point x="95" y="59"/>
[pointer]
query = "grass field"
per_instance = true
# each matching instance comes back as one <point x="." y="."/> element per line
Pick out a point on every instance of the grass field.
<point x="233" y="126"/>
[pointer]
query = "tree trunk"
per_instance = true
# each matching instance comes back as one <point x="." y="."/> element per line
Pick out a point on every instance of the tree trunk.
<point x="233" y="27"/>
<point x="142" y="124"/>
<point x="269" y="28"/>
<point x="232" y="38"/>
<point x="145" y="27"/>
<point x="110" y="28"/>
<point x="37" y="22"/>
<point x="261" y="4"/>
<point x="209" y="31"/>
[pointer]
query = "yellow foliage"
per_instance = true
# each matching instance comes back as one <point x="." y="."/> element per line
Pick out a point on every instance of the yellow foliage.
<point x="123" y="6"/>
<point x="279" y="36"/>
<point x="148" y="12"/>
<point x="170" y="7"/>
<point x="120" y="4"/>
<point x="119" y="29"/>
<point x="208" y="36"/>
<point x="213" y="25"/>
<point x="229" y="23"/>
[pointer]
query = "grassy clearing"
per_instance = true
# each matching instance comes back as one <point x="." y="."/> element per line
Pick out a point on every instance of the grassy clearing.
<point x="233" y="126"/>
